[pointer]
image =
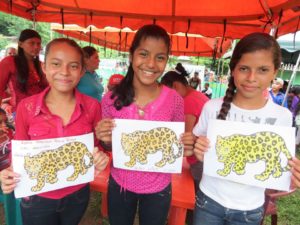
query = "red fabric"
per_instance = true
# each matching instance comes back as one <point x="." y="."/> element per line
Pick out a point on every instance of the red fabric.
<point x="8" y="78"/>
<point x="34" y="121"/>
<point x="191" y="46"/>
<point x="204" y="17"/>
<point x="193" y="104"/>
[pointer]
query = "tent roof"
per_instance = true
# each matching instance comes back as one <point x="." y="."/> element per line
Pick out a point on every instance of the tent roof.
<point x="213" y="18"/>
<point x="191" y="45"/>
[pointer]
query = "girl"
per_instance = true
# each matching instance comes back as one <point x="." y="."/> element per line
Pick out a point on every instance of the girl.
<point x="140" y="96"/>
<point x="254" y="64"/>
<point x="22" y="73"/>
<point x="193" y="104"/>
<point x="90" y="83"/>
<point x="41" y="116"/>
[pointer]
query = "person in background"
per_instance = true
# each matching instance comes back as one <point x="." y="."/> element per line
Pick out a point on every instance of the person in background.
<point x="139" y="96"/>
<point x="275" y="93"/>
<point x="10" y="51"/>
<point x="90" y="83"/>
<point x="207" y="90"/>
<point x="195" y="81"/>
<point x="114" y="80"/>
<point x="42" y="116"/>
<point x="254" y="64"/>
<point x="22" y="73"/>
<point x="193" y="104"/>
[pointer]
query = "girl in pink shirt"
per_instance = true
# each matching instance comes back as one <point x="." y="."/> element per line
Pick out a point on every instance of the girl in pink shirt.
<point x="42" y="116"/>
<point x="140" y="96"/>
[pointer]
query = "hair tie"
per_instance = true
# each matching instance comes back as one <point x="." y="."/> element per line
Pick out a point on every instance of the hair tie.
<point x="177" y="71"/>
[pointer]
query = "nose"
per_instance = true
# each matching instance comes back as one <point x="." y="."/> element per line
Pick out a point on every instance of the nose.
<point x="251" y="75"/>
<point x="151" y="62"/>
<point x="64" y="70"/>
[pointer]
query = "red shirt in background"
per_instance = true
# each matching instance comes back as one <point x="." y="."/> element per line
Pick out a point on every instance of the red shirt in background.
<point x="8" y="79"/>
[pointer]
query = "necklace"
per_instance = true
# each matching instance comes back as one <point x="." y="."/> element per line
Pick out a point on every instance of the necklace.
<point x="142" y="106"/>
<point x="141" y="112"/>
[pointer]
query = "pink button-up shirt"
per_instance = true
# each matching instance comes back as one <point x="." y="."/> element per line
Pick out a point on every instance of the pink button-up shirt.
<point x="34" y="121"/>
<point x="167" y="107"/>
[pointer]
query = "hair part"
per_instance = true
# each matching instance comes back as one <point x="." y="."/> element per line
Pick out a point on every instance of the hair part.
<point x="124" y="92"/>
<point x="250" y="43"/>
<point x="67" y="41"/>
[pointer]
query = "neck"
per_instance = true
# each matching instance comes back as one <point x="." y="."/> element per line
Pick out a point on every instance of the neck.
<point x="59" y="98"/>
<point x="146" y="94"/>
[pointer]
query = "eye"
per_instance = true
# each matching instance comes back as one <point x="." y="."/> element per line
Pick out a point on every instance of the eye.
<point x="74" y="66"/>
<point x="143" y="54"/>
<point x="243" y="69"/>
<point x="161" y="58"/>
<point x="263" y="70"/>
<point x="54" y="64"/>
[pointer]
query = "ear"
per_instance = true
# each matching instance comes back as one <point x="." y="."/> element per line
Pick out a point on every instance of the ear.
<point x="43" y="65"/>
<point x="275" y="74"/>
<point x="20" y="43"/>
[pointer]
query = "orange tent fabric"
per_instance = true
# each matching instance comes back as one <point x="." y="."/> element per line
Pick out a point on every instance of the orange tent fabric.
<point x="193" y="45"/>
<point x="212" y="18"/>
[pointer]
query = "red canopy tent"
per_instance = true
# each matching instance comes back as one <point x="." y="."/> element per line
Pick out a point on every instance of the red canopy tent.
<point x="190" y="45"/>
<point x="212" y="18"/>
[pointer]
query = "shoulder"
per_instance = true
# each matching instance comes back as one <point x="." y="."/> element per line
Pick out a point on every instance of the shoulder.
<point x="29" y="104"/>
<point x="7" y="62"/>
<point x="170" y="94"/>
<point x="283" y="115"/>
<point x="86" y="100"/>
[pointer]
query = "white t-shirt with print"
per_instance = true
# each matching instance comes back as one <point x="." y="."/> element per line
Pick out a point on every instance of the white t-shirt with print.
<point x="228" y="193"/>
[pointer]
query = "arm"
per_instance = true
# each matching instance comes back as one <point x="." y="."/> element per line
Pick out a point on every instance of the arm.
<point x="5" y="72"/>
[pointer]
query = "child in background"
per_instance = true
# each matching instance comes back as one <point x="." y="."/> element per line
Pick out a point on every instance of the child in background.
<point x="41" y="116"/>
<point x="114" y="80"/>
<point x="6" y="134"/>
<point x="275" y="92"/>
<point x="193" y="104"/>
<point x="139" y="96"/>
<point x="254" y="64"/>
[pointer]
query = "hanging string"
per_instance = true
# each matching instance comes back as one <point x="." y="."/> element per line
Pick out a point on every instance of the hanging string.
<point x="10" y="6"/>
<point x="186" y="34"/>
<point x="120" y="33"/>
<point x="297" y="27"/>
<point x="91" y="15"/>
<point x="62" y="18"/>
<point x="90" y="37"/>
<point x="126" y="36"/>
<point x="223" y="37"/>
<point x="279" y="19"/>
<point x="105" y="44"/>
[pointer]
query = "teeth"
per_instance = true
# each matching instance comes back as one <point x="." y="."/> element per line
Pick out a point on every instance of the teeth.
<point x="148" y="72"/>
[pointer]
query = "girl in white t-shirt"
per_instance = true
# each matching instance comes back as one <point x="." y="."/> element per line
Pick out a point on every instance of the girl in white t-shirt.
<point x="254" y="64"/>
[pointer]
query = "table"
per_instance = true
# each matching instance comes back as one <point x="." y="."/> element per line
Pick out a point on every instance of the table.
<point x="183" y="193"/>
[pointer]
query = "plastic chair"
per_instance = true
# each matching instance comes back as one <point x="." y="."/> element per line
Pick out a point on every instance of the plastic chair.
<point x="270" y="204"/>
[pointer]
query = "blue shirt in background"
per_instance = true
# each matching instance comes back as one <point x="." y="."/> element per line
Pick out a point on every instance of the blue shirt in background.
<point x="90" y="85"/>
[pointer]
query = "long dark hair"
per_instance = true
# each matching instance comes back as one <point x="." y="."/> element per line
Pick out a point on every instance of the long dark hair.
<point x="22" y="66"/>
<point x="179" y="74"/>
<point x="124" y="92"/>
<point x="250" y="43"/>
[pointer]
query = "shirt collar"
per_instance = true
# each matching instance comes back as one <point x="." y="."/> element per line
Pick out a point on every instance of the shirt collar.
<point x="41" y="106"/>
